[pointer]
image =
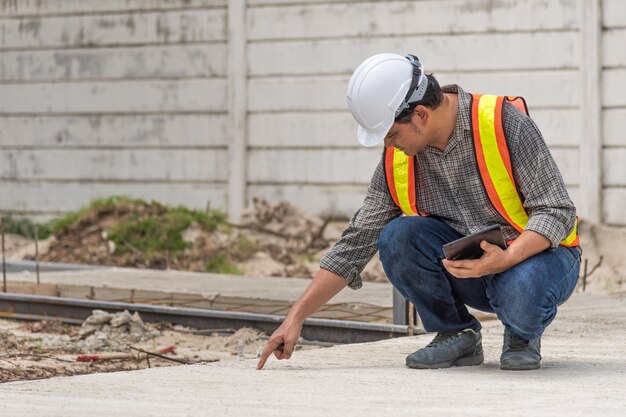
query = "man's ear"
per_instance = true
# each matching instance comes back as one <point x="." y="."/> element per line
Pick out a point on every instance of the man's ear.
<point x="420" y="115"/>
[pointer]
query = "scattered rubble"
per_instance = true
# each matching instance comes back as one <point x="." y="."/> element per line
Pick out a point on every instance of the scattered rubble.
<point x="115" y="331"/>
<point x="34" y="350"/>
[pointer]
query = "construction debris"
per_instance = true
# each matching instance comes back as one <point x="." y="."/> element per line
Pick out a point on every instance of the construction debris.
<point x="44" y="349"/>
<point x="138" y="356"/>
<point x="114" y="331"/>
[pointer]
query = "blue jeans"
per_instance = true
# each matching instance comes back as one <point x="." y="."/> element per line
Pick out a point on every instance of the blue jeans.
<point x="525" y="297"/>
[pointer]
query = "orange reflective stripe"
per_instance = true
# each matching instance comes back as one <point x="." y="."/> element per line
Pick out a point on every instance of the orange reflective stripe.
<point x="482" y="164"/>
<point x="400" y="173"/>
<point x="389" y="174"/>
<point x="494" y="161"/>
<point x="498" y="181"/>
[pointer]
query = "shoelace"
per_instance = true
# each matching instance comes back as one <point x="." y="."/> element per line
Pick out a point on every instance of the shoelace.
<point x="517" y="343"/>
<point x="443" y="339"/>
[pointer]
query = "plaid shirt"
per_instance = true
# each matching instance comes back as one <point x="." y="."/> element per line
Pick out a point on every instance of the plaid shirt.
<point x="449" y="187"/>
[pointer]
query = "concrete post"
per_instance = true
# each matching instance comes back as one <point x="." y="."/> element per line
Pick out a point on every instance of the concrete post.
<point x="591" y="112"/>
<point x="237" y="107"/>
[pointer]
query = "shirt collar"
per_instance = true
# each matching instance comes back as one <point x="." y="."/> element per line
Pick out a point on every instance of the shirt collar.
<point x="463" y="122"/>
<point x="463" y="111"/>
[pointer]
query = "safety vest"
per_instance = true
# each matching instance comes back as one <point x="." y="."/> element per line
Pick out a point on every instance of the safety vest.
<point x="494" y="164"/>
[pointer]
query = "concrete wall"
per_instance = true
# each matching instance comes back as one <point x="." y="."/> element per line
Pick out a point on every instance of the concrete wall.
<point x="190" y="101"/>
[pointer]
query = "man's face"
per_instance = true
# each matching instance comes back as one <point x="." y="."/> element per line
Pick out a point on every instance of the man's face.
<point x="408" y="137"/>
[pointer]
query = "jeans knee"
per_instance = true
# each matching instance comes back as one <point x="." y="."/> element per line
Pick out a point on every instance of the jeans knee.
<point x="392" y="237"/>
<point x="413" y="236"/>
<point x="522" y="306"/>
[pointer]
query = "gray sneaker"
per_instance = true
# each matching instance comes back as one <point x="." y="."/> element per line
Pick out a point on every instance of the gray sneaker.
<point x="462" y="348"/>
<point x="519" y="354"/>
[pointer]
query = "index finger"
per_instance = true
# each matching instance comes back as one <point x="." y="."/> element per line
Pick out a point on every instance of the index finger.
<point x="270" y="346"/>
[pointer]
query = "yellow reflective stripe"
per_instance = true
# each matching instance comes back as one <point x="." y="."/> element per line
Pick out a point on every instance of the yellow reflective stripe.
<point x="401" y="180"/>
<point x="572" y="236"/>
<point x="505" y="188"/>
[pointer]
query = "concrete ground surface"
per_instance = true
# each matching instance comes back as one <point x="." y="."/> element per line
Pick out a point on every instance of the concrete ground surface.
<point x="583" y="374"/>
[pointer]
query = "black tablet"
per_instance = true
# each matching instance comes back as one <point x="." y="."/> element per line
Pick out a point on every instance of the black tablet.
<point x="468" y="247"/>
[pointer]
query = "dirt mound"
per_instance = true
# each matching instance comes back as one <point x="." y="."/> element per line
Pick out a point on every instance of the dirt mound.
<point x="133" y="233"/>
<point x="273" y="239"/>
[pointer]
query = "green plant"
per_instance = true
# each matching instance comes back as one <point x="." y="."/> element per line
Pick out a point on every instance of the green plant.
<point x="108" y="203"/>
<point x="243" y="248"/>
<point x="25" y="227"/>
<point x="221" y="265"/>
<point x="149" y="227"/>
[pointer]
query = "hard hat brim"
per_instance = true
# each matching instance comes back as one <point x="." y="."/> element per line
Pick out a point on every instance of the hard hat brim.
<point x="367" y="138"/>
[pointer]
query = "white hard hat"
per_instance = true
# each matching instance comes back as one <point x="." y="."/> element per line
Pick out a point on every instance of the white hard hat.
<point x="380" y="88"/>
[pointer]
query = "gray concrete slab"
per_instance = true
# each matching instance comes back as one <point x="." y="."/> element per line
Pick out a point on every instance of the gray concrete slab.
<point x="583" y="374"/>
<point x="267" y="288"/>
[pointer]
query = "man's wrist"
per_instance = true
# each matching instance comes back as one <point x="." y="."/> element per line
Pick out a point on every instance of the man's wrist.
<point x="296" y="315"/>
<point x="511" y="258"/>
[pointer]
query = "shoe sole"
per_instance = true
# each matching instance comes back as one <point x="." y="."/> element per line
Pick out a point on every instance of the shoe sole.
<point x="467" y="360"/>
<point x="528" y="367"/>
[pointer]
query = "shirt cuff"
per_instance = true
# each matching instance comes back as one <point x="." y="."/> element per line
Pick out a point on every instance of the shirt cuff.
<point x="545" y="225"/>
<point x="343" y="268"/>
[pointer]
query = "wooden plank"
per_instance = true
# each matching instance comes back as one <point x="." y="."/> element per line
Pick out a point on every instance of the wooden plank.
<point x="613" y="51"/>
<point x="613" y="167"/>
<point x="614" y="87"/>
<point x="115" y="96"/>
<point x="329" y="92"/>
<point x="340" y="201"/>
<point x="51" y="290"/>
<point x="614" y="201"/>
<point x="118" y="165"/>
<point x="56" y="196"/>
<point x="516" y="51"/>
<point x="114" y="29"/>
<point x="323" y="166"/>
<point x="402" y="18"/>
<point x="169" y="61"/>
<point x="76" y="291"/>
<point x="11" y="8"/>
<point x="613" y="127"/>
<point x="121" y="131"/>
<point x="560" y="127"/>
<point x="346" y="311"/>
<point x="613" y="13"/>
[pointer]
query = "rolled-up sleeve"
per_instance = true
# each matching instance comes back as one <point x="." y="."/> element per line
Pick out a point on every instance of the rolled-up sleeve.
<point x="550" y="209"/>
<point x="357" y="244"/>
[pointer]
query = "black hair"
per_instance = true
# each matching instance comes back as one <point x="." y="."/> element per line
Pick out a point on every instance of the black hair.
<point x="432" y="99"/>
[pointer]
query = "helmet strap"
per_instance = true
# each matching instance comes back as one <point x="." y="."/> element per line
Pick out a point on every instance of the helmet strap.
<point x="417" y="89"/>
